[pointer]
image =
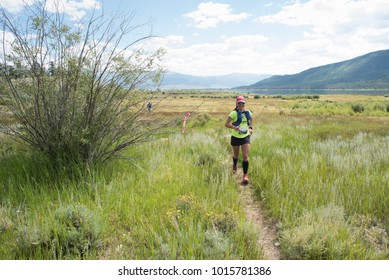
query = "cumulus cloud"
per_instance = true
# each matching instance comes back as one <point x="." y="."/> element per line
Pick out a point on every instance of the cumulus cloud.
<point x="167" y="42"/>
<point x="76" y="9"/>
<point x="308" y="34"/>
<point x="15" y="5"/>
<point x="325" y="31"/>
<point x="212" y="14"/>
<point x="240" y="53"/>
<point x="334" y="30"/>
<point x="326" y="17"/>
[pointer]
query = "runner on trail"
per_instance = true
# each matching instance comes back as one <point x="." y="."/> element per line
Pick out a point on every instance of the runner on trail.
<point x="149" y="106"/>
<point x="241" y="122"/>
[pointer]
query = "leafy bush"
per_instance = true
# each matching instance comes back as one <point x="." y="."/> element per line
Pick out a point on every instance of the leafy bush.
<point x="74" y="233"/>
<point x="216" y="244"/>
<point x="379" y="107"/>
<point x="200" y="120"/>
<point x="206" y="158"/>
<point x="77" y="230"/>
<point x="358" y="108"/>
<point x="301" y="105"/>
<point x="75" y="101"/>
<point x="373" y="232"/>
<point x="316" y="233"/>
<point x="185" y="203"/>
<point x="32" y="240"/>
<point x="226" y="222"/>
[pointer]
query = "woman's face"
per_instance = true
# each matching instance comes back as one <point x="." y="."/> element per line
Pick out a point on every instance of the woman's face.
<point x="240" y="105"/>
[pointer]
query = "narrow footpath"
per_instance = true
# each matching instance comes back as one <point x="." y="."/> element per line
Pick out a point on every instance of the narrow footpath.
<point x="264" y="227"/>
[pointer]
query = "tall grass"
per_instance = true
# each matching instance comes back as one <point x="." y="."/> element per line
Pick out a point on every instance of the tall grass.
<point x="322" y="179"/>
<point x="318" y="179"/>
<point x="182" y="204"/>
<point x="174" y="200"/>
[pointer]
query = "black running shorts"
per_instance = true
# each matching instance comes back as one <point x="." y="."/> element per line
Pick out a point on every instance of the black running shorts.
<point x="240" y="141"/>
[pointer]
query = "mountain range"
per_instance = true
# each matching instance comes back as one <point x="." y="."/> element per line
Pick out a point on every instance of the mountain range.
<point x="369" y="71"/>
<point x="173" y="80"/>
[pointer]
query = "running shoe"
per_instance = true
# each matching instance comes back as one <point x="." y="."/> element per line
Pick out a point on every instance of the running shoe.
<point x="245" y="179"/>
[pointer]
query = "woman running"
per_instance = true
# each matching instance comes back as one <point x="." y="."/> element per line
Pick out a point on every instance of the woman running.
<point x="241" y="122"/>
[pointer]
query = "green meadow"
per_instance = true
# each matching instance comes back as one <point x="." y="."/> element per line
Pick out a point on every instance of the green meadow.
<point x="318" y="166"/>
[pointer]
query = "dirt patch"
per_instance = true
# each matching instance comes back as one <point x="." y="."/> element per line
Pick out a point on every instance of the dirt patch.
<point x="266" y="229"/>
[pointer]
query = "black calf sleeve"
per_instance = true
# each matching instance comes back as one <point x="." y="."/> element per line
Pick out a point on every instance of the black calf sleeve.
<point x="245" y="165"/>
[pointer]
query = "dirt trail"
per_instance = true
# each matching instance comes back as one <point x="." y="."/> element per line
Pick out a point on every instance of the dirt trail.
<point x="265" y="228"/>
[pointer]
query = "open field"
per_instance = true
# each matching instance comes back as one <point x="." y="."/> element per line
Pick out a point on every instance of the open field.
<point x="319" y="170"/>
<point x="218" y="103"/>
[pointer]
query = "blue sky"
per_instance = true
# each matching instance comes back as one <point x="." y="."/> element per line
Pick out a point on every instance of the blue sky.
<point x="253" y="36"/>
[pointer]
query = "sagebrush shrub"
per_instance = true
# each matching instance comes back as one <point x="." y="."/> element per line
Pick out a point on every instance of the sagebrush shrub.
<point x="358" y="108"/>
<point x="76" y="230"/>
<point x="315" y="233"/>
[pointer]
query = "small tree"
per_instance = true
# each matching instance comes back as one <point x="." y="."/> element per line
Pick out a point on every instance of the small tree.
<point x="73" y="94"/>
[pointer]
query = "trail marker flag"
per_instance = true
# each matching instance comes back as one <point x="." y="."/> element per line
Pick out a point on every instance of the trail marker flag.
<point x="184" y="123"/>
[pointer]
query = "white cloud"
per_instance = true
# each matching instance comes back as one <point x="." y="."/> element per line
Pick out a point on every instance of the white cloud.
<point x="326" y="17"/>
<point x="314" y="33"/>
<point x="240" y="53"/>
<point x="165" y="42"/>
<point x="76" y="9"/>
<point x="154" y="43"/>
<point x="15" y="5"/>
<point x="212" y="14"/>
<point x="335" y="30"/>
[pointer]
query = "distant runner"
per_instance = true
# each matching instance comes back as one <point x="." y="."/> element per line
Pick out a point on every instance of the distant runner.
<point x="150" y="106"/>
<point x="240" y="120"/>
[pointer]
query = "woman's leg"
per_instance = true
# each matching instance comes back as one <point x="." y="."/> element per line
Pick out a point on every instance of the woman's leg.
<point x="245" y="154"/>
<point x="245" y="151"/>
<point x="235" y="158"/>
<point x="236" y="152"/>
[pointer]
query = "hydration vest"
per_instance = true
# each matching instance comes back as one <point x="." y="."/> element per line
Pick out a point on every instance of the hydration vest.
<point x="239" y="120"/>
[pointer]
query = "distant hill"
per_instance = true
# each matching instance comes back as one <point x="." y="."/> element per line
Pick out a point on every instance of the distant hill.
<point x="173" y="80"/>
<point x="369" y="71"/>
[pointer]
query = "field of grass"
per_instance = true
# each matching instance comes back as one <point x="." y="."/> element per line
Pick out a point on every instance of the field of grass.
<point x="326" y="182"/>
<point x="319" y="169"/>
